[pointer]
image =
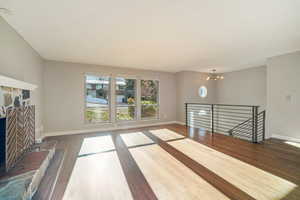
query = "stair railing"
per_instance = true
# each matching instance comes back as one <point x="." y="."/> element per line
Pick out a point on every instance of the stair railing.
<point x="240" y="121"/>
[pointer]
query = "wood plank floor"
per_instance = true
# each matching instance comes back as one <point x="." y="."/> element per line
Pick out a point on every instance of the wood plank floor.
<point x="98" y="176"/>
<point x="256" y="182"/>
<point x="212" y="161"/>
<point x="136" y="139"/>
<point x="136" y="180"/>
<point x="166" y="134"/>
<point x="170" y="179"/>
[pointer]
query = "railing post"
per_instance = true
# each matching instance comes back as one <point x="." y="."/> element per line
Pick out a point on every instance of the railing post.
<point x="212" y="119"/>
<point x="186" y="114"/>
<point x="254" y="123"/>
<point x="264" y="125"/>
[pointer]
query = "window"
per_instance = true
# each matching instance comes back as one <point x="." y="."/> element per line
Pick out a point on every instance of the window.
<point x="202" y="91"/>
<point x="97" y="98"/>
<point x="149" y="99"/>
<point x="125" y="99"/>
<point x="110" y="98"/>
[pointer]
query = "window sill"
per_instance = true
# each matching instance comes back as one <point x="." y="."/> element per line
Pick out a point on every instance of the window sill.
<point x="121" y="122"/>
<point x="97" y="123"/>
<point x="150" y="119"/>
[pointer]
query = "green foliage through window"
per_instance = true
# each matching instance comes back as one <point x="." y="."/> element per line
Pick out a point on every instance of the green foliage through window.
<point x="149" y="99"/>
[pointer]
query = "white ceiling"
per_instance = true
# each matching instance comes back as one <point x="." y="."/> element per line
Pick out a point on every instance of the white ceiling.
<point x="166" y="35"/>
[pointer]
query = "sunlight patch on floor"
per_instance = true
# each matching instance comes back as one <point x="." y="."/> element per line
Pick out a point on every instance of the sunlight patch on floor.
<point x="254" y="181"/>
<point x="136" y="138"/>
<point x="166" y="134"/>
<point x="170" y="179"/>
<point x="98" y="176"/>
<point x="295" y="144"/>
<point x="92" y="145"/>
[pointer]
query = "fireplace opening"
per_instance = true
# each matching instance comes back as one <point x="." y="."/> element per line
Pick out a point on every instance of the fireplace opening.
<point x="2" y="142"/>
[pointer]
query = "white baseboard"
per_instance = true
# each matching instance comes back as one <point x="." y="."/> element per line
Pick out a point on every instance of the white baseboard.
<point x="178" y="122"/>
<point x="282" y="137"/>
<point x="74" y="132"/>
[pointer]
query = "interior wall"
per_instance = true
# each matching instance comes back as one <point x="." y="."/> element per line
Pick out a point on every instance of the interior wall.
<point x="283" y="96"/>
<point x="18" y="60"/>
<point x="188" y="84"/>
<point x="64" y="96"/>
<point x="245" y="87"/>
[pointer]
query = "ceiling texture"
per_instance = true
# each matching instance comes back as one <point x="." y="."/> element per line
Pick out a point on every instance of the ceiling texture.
<point x="164" y="35"/>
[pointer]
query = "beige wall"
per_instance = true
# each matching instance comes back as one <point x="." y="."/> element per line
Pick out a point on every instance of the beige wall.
<point x="18" y="60"/>
<point x="283" y="96"/>
<point x="64" y="95"/>
<point x="264" y="86"/>
<point x="240" y="87"/>
<point x="188" y="84"/>
<point x="248" y="87"/>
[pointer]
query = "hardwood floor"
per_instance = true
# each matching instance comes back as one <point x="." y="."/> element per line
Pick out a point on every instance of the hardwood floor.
<point x="171" y="179"/>
<point x="218" y="182"/>
<point x="136" y="180"/>
<point x="98" y="176"/>
<point x="233" y="168"/>
<point x="255" y="182"/>
<point x="136" y="139"/>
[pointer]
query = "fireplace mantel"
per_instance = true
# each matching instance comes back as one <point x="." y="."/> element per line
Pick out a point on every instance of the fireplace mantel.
<point x="13" y="83"/>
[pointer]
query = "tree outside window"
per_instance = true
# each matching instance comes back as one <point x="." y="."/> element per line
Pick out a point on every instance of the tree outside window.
<point x="149" y="99"/>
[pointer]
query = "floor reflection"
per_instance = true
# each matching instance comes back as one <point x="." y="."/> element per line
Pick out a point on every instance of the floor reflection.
<point x="295" y="144"/>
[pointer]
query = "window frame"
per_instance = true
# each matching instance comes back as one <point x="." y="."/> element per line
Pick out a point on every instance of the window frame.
<point x="157" y="117"/>
<point x="112" y="105"/>
<point x="109" y="105"/>
<point x="136" y="101"/>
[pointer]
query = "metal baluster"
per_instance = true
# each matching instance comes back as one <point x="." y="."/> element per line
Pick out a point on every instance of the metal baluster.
<point x="212" y="119"/>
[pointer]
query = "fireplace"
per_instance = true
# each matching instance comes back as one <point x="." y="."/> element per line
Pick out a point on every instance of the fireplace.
<point x="2" y="142"/>
<point x="17" y="120"/>
<point x="17" y="135"/>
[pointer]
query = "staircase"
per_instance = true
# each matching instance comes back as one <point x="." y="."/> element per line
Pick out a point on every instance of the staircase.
<point x="240" y="121"/>
<point x="245" y="129"/>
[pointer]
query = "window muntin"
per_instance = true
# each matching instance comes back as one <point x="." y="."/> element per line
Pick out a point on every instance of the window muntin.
<point x="97" y="98"/>
<point x="149" y="99"/>
<point x="125" y="93"/>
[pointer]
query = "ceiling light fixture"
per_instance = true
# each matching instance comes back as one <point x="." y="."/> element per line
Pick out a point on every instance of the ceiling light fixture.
<point x="214" y="76"/>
